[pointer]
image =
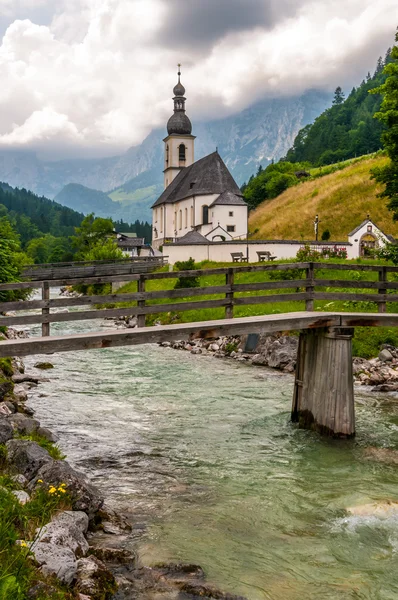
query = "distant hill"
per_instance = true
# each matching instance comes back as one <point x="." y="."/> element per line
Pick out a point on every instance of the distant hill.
<point x="345" y="130"/>
<point x="87" y="200"/>
<point x="341" y="199"/>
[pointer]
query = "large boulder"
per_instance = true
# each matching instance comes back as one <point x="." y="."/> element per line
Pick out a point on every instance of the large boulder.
<point x="6" y="430"/>
<point x="26" y="457"/>
<point x="66" y="529"/>
<point x="94" y="579"/>
<point x="55" y="560"/>
<point x="23" y="424"/>
<point x="84" y="496"/>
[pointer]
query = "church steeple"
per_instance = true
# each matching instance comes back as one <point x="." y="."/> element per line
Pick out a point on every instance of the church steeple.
<point x="179" y="123"/>
<point x="179" y="143"/>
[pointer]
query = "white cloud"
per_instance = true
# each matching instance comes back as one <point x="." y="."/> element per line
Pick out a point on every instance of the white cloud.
<point x="96" y="78"/>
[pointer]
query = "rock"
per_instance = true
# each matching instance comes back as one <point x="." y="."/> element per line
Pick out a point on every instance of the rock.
<point x="43" y="365"/>
<point x="5" y="409"/>
<point x="94" y="579"/>
<point x="47" y="434"/>
<point x="385" y="355"/>
<point x="197" y="351"/>
<point x="27" y="410"/>
<point x="6" y="387"/>
<point x="382" y="510"/>
<point x="132" y="322"/>
<point x="6" y="430"/>
<point x="165" y="344"/>
<point x="27" y="378"/>
<point x="84" y="496"/>
<point x="214" y="347"/>
<point x="383" y="455"/>
<point x="386" y="387"/>
<point x="11" y="406"/>
<point x="258" y="359"/>
<point x="26" y="457"/>
<point x="111" y="528"/>
<point x="20" y="480"/>
<point x="20" y="393"/>
<point x="113" y="520"/>
<point x="55" y="560"/>
<point x="114" y="555"/>
<point x="17" y="365"/>
<point x="180" y="571"/>
<point x="21" y="496"/>
<point x="42" y="590"/>
<point x="23" y="424"/>
<point x="66" y="530"/>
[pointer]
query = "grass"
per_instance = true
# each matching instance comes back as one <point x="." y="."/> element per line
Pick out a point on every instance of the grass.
<point x="51" y="448"/>
<point x="342" y="198"/>
<point x="367" y="342"/>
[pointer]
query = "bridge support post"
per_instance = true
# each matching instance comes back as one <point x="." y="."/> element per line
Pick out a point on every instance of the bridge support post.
<point x="323" y="397"/>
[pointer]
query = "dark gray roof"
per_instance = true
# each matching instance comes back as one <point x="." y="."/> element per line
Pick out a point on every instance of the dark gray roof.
<point x="179" y="123"/>
<point x="131" y="243"/>
<point x="359" y="226"/>
<point x="192" y="237"/>
<point x="209" y="175"/>
<point x="228" y="198"/>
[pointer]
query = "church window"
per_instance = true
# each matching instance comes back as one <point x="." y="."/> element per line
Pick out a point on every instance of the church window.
<point x="230" y="214"/>
<point x="205" y="214"/>
<point x="181" y="152"/>
<point x="161" y="219"/>
<point x="180" y="224"/>
<point x="231" y="228"/>
<point x="186" y="218"/>
<point x="167" y="154"/>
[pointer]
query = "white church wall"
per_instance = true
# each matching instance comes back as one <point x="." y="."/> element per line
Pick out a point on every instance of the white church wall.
<point x="355" y="239"/>
<point x="231" y="216"/>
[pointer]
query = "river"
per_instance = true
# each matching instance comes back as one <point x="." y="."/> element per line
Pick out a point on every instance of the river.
<point x="203" y="453"/>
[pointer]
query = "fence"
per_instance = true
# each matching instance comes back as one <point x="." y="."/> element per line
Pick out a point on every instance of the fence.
<point x="308" y="289"/>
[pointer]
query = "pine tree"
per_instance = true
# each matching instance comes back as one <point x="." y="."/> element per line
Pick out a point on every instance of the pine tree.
<point x="338" y="96"/>
<point x="388" y="114"/>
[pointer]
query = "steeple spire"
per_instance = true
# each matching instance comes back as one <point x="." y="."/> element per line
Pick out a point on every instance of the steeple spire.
<point x="179" y="122"/>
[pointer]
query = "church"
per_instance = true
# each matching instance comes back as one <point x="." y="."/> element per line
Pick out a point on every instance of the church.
<point x="201" y="200"/>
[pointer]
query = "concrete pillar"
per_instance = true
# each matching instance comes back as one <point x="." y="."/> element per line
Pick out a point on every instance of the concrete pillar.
<point x="323" y="397"/>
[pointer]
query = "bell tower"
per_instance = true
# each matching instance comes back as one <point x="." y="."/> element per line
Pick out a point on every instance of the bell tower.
<point x="179" y="143"/>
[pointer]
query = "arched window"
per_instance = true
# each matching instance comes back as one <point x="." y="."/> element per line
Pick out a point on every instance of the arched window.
<point x="161" y="219"/>
<point x="167" y="154"/>
<point x="186" y="218"/>
<point x="181" y="152"/>
<point x="180" y="224"/>
<point x="205" y="214"/>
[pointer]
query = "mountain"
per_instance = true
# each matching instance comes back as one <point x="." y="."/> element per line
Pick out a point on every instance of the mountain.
<point x="78" y="196"/>
<point x="259" y="134"/>
<point x="342" y="199"/>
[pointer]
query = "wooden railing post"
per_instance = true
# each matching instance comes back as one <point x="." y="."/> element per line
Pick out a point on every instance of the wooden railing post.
<point x="45" y="295"/>
<point x="229" y="309"/>
<point x="382" y="278"/>
<point x="140" y="303"/>
<point x="309" y="303"/>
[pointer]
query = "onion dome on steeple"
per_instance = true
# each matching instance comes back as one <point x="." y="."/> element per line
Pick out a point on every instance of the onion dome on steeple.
<point x="179" y="123"/>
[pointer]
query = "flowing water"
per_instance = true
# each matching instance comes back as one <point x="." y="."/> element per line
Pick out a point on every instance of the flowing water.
<point x="203" y="453"/>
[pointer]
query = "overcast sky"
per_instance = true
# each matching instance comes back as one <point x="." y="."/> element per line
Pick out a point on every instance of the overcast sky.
<point x="93" y="77"/>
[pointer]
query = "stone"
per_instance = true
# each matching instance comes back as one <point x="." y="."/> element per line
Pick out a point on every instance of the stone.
<point x="42" y="590"/>
<point x="67" y="531"/>
<point x="55" y="560"/>
<point x="113" y="520"/>
<point x="21" y="496"/>
<point x="84" y="496"/>
<point x="214" y="347"/>
<point x="5" y="409"/>
<point x="26" y="457"/>
<point x="23" y="424"/>
<point x="258" y="359"/>
<point x="27" y="410"/>
<point x="111" y="528"/>
<point x="6" y="387"/>
<point x="20" y="480"/>
<point x="43" y="365"/>
<point x="132" y="322"/>
<point x="6" y="430"/>
<point x="114" y="555"/>
<point x="11" y="406"/>
<point x="385" y="355"/>
<point x="47" y="434"/>
<point x="383" y="510"/>
<point x="20" y="393"/>
<point x="94" y="579"/>
<point x="17" y="365"/>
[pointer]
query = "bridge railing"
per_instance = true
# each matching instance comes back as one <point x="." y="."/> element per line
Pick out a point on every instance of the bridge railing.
<point x="306" y="287"/>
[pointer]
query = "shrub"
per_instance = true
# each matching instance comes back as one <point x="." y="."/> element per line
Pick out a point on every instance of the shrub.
<point x="186" y="282"/>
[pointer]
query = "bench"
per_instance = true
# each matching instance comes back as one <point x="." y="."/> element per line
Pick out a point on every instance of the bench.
<point x="238" y="257"/>
<point x="265" y="254"/>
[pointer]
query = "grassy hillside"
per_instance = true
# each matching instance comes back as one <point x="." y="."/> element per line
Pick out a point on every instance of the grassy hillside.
<point x="342" y="199"/>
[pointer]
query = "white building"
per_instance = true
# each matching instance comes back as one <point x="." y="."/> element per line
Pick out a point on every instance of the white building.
<point x="199" y="196"/>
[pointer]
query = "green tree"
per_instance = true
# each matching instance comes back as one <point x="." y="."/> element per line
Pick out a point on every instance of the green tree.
<point x="92" y="231"/>
<point x="106" y="250"/>
<point x="388" y="115"/>
<point x="12" y="260"/>
<point x="339" y="95"/>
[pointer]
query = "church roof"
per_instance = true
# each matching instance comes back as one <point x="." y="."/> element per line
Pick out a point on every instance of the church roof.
<point x="228" y="198"/>
<point x="209" y="175"/>
<point x="192" y="237"/>
<point x="365" y="222"/>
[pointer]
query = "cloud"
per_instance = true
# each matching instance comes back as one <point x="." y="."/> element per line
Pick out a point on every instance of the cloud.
<point x="95" y="76"/>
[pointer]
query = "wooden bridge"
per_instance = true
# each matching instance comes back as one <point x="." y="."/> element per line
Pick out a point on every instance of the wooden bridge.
<point x="323" y="392"/>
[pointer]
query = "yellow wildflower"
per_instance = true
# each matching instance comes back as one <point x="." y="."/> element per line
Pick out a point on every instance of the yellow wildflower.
<point x="61" y="489"/>
<point x="52" y="490"/>
<point x="39" y="481"/>
<point x="24" y="544"/>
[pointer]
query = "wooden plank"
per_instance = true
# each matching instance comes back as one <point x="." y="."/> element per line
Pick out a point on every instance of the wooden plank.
<point x="342" y="283"/>
<point x="141" y="303"/>
<point x="353" y="319"/>
<point x="309" y="303"/>
<point x="45" y="328"/>
<point x="382" y="290"/>
<point x="342" y="267"/>
<point x="147" y="335"/>
<point x="244" y="300"/>
<point x="270" y="285"/>
<point x="229" y="280"/>
<point x="356" y="297"/>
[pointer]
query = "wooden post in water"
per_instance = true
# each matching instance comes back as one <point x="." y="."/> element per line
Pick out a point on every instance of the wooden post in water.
<point x="45" y="295"/>
<point x="323" y="398"/>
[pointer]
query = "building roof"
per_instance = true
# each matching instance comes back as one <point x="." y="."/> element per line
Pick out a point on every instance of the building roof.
<point x="365" y="222"/>
<point x="127" y="235"/>
<point x="131" y="242"/>
<point x="209" y="175"/>
<point x="229" y="198"/>
<point x="192" y="237"/>
<point x="218" y="227"/>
